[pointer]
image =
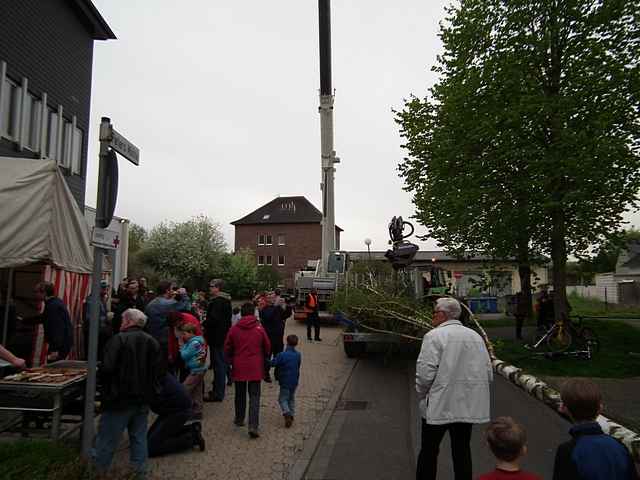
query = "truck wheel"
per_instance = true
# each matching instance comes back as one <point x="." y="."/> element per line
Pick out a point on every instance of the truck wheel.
<point x="354" y="349"/>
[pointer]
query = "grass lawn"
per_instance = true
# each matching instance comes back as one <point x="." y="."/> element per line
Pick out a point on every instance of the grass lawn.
<point x="592" y="307"/>
<point x="617" y="340"/>
<point x="40" y="459"/>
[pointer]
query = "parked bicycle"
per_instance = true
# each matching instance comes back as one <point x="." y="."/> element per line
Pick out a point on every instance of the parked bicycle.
<point x="564" y="335"/>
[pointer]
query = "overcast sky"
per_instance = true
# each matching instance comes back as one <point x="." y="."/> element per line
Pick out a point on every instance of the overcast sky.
<point x="221" y="97"/>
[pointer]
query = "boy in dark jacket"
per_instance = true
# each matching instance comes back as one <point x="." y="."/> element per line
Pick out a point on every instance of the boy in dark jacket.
<point x="287" y="373"/>
<point x="590" y="454"/>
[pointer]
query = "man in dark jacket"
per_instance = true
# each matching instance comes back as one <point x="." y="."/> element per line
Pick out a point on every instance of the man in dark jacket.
<point x="130" y="298"/>
<point x="58" y="330"/>
<point x="590" y="454"/>
<point x="130" y="378"/>
<point x="216" y="328"/>
<point x="169" y="434"/>
<point x="273" y="318"/>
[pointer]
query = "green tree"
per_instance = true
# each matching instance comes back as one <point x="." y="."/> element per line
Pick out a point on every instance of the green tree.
<point x="239" y="272"/>
<point x="529" y="141"/>
<point x="137" y="236"/>
<point x="190" y="252"/>
<point x="268" y="278"/>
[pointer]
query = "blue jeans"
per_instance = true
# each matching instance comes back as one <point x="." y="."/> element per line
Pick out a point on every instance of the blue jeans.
<point x="219" y="373"/>
<point x="112" y="424"/>
<point x="287" y="400"/>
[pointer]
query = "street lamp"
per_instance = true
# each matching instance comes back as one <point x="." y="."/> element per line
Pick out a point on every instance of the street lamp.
<point x="367" y="242"/>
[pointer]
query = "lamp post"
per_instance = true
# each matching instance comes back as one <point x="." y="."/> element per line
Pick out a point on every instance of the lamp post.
<point x="367" y="242"/>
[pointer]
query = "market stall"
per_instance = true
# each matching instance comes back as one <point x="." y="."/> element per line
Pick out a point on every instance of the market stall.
<point x="43" y="236"/>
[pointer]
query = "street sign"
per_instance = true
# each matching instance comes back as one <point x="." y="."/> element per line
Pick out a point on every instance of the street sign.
<point x="124" y="147"/>
<point x="457" y="275"/>
<point x="103" y="238"/>
<point x="108" y="188"/>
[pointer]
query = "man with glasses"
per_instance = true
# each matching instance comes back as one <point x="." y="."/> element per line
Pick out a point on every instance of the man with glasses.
<point x="453" y="374"/>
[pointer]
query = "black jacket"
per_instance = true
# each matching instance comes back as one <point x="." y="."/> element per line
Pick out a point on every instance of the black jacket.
<point x="58" y="331"/>
<point x="273" y="320"/>
<point x="592" y="455"/>
<point x="218" y="322"/>
<point x="126" y="302"/>
<point x="172" y="399"/>
<point x="130" y="370"/>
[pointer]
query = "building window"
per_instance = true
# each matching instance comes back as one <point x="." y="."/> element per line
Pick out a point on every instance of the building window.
<point x="32" y="132"/>
<point x="67" y="140"/>
<point x="269" y="260"/>
<point x="52" y="140"/>
<point x="76" y="152"/>
<point x="281" y="260"/>
<point x="11" y="103"/>
<point x="260" y="239"/>
<point x="281" y="239"/>
<point x="269" y="240"/>
<point x="261" y="260"/>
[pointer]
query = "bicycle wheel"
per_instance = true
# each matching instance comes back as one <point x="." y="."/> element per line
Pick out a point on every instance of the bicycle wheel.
<point x="589" y="340"/>
<point x="559" y="340"/>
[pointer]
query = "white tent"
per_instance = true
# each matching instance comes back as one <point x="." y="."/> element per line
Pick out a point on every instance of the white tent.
<point x="39" y="219"/>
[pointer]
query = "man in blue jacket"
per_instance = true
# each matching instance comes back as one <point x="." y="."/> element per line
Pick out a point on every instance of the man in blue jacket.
<point x="287" y="373"/>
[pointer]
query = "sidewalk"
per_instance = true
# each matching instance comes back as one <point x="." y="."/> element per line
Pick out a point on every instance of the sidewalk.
<point x="230" y="453"/>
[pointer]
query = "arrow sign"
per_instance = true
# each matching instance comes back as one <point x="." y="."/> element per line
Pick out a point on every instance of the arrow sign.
<point x="124" y="147"/>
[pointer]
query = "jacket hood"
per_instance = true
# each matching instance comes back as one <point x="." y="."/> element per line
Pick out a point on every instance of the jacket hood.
<point x="248" y="322"/>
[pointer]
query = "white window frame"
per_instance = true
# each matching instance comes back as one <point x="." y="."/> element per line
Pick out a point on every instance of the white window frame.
<point x="44" y="126"/>
<point x="260" y="260"/>
<point x="284" y="240"/>
<point x="261" y="238"/>
<point x="3" y="74"/>
<point x="13" y="97"/>
<point x="269" y="240"/>
<point x="76" y="149"/>
<point x="60" y="137"/>
<point x="52" y="134"/>
<point x="283" y="259"/>
<point x="67" y="143"/>
<point x="269" y="260"/>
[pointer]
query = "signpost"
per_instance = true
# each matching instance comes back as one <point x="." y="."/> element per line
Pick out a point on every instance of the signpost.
<point x="102" y="240"/>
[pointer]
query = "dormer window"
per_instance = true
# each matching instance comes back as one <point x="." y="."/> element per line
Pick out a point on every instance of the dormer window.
<point x="288" y="206"/>
<point x="266" y="217"/>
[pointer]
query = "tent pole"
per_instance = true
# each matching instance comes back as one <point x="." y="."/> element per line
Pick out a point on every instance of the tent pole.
<point x="5" y="325"/>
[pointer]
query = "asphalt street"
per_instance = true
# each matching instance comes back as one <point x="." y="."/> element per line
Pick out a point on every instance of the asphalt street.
<point x="374" y="431"/>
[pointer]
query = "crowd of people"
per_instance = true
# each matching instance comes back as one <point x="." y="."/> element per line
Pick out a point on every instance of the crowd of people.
<point x="154" y="349"/>
<point x="156" y="360"/>
<point x="453" y="376"/>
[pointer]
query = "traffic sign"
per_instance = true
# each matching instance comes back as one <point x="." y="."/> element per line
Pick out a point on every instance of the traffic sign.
<point x="124" y="147"/>
<point x="104" y="238"/>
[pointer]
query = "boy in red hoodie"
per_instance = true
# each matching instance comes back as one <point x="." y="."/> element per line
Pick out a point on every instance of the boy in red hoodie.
<point x="508" y="443"/>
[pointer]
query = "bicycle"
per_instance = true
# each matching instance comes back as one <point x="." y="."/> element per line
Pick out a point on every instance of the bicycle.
<point x="564" y="334"/>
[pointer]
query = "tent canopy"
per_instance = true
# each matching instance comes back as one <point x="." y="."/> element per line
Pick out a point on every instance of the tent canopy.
<point x="39" y="219"/>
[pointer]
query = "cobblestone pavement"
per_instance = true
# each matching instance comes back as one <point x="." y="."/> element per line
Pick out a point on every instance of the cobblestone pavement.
<point x="230" y="453"/>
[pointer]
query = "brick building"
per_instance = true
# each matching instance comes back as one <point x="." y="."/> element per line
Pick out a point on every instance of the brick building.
<point x="46" y="61"/>
<point x="284" y="234"/>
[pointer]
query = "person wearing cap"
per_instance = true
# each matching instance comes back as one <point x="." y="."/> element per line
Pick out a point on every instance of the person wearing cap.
<point x="105" y="328"/>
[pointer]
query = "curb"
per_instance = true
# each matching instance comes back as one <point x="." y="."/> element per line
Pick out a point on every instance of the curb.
<point x="550" y="397"/>
<point x="299" y="468"/>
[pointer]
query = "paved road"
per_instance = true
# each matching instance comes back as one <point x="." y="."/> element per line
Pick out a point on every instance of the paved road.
<point x="381" y="441"/>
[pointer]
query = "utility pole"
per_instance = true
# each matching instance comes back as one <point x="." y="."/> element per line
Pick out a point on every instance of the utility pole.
<point x="327" y="153"/>
<point x="102" y="240"/>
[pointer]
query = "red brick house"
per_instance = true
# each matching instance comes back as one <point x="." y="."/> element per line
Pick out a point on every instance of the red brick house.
<point x="284" y="234"/>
